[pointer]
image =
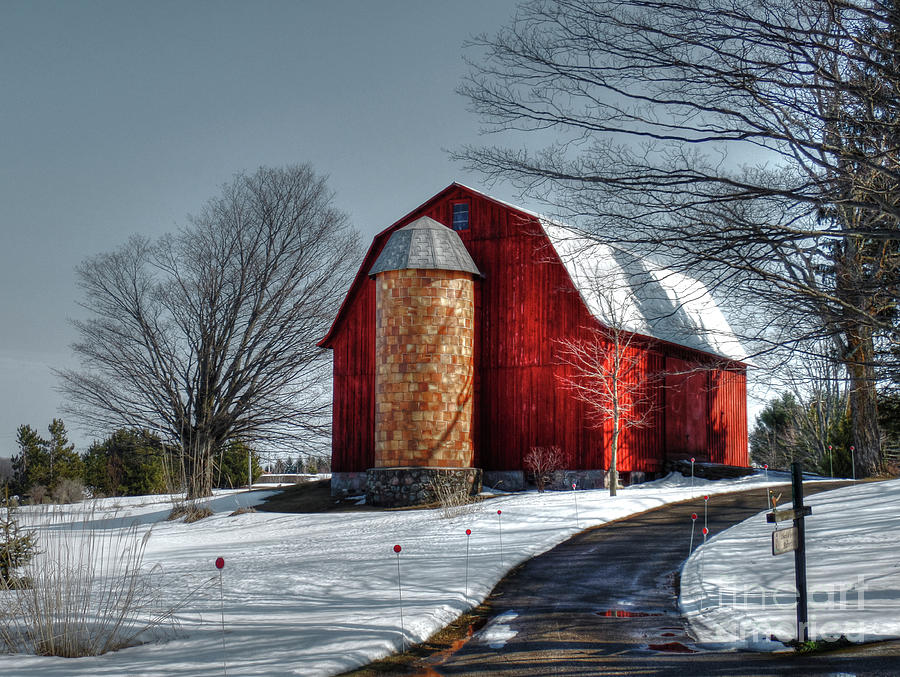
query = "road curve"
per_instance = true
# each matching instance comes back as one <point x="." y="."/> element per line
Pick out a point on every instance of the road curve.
<point x="605" y="603"/>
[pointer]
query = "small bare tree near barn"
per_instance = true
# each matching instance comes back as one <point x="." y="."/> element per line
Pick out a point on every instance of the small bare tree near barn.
<point x="606" y="370"/>
<point x="542" y="462"/>
<point x="209" y="334"/>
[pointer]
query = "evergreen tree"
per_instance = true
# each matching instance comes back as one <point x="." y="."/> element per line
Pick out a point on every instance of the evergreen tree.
<point x="232" y="465"/>
<point x="44" y="462"/>
<point x="127" y="463"/>
<point x="17" y="546"/>
<point x="65" y="463"/>
<point x="31" y="466"/>
<point x="774" y="439"/>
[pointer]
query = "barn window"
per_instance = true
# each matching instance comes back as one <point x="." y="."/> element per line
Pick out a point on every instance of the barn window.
<point x="461" y="216"/>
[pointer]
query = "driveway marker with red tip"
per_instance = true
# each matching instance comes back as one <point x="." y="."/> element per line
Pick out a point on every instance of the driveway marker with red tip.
<point x="468" y="533"/>
<point x="220" y="564"/>
<point x="693" y="522"/>
<point x="397" y="550"/>
<point x="500" y="535"/>
<point x="575" y="496"/>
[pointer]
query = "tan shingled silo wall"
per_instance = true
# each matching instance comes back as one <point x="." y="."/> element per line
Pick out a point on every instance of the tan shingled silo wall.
<point x="424" y="324"/>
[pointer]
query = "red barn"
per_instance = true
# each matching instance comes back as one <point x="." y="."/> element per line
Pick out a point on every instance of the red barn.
<point x="533" y="289"/>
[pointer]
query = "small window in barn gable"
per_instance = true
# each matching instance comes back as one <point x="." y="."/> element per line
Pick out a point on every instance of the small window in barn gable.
<point x="461" y="216"/>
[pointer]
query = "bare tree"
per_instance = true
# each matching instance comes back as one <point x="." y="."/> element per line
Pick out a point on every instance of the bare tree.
<point x="819" y="384"/>
<point x="209" y="334"/>
<point x="606" y="368"/>
<point x="752" y="142"/>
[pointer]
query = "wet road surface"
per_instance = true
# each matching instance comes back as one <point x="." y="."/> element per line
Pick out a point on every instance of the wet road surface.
<point x="605" y="603"/>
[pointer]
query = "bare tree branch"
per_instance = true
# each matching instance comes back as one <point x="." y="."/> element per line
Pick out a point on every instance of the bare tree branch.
<point x="753" y="144"/>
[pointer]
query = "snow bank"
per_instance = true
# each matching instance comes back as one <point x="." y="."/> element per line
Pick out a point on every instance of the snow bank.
<point x="316" y="594"/>
<point x="735" y="592"/>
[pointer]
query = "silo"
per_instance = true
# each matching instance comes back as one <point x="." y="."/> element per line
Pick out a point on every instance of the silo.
<point x="424" y="365"/>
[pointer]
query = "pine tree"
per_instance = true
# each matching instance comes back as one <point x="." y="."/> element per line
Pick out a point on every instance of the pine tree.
<point x="31" y="466"/>
<point x="17" y="546"/>
<point x="44" y="462"/>
<point x="127" y="463"/>
<point x="65" y="463"/>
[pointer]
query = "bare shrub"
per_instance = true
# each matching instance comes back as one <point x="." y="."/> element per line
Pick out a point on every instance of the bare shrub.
<point x="38" y="494"/>
<point x="243" y="511"/>
<point x="68" y="491"/>
<point x="191" y="511"/>
<point x="542" y="462"/>
<point x="89" y="591"/>
<point x="453" y="498"/>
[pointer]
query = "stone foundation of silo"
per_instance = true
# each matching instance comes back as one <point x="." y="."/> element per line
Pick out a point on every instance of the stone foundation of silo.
<point x="401" y="487"/>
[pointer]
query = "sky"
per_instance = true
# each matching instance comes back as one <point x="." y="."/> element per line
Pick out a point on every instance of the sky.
<point x="123" y="117"/>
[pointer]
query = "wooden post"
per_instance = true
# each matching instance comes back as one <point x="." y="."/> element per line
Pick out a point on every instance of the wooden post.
<point x="800" y="554"/>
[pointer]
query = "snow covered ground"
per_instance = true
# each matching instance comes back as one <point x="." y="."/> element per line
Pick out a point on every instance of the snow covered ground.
<point x="317" y="594"/>
<point x="734" y="591"/>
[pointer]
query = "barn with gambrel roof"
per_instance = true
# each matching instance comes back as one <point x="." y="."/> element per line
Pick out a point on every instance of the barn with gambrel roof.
<point x="532" y="284"/>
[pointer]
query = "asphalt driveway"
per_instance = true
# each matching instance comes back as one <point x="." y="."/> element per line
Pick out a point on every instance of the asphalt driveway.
<point x="605" y="603"/>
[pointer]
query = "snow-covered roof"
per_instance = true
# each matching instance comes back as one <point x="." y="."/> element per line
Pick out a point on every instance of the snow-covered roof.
<point x="641" y="296"/>
<point x="623" y="290"/>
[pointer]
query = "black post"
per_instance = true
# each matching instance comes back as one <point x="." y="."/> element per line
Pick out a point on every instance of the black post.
<point x="800" y="554"/>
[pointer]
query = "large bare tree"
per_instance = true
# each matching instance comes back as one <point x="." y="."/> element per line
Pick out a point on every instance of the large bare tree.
<point x="209" y="334"/>
<point x="753" y="142"/>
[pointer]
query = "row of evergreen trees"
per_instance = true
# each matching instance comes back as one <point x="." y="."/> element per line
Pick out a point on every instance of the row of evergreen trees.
<point x="127" y="463"/>
<point x="302" y="464"/>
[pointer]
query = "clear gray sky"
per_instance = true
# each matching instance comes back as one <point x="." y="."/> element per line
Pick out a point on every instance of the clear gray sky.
<point x="121" y="117"/>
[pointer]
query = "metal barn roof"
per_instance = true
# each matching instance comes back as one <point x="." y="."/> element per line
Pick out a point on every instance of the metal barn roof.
<point x="424" y="244"/>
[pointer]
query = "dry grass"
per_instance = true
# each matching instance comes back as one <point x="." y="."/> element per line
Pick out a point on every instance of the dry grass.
<point x="453" y="499"/>
<point x="89" y="591"/>
<point x="191" y="512"/>
<point x="243" y="511"/>
<point x="68" y="491"/>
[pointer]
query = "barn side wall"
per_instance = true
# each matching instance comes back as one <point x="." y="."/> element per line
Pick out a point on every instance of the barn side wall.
<point x="353" y="406"/>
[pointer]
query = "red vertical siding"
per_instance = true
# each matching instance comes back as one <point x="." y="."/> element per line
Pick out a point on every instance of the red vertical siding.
<point x="727" y="417"/>
<point x="524" y="303"/>
<point x="686" y="410"/>
<point x="353" y="407"/>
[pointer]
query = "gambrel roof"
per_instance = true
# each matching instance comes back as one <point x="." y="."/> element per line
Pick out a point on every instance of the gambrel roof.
<point x="652" y="300"/>
<point x="649" y="299"/>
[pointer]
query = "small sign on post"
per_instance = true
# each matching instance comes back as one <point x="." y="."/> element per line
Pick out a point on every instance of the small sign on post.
<point x="793" y="540"/>
<point x="784" y="540"/>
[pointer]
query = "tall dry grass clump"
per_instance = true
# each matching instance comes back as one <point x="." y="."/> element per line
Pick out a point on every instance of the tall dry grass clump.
<point x="452" y="498"/>
<point x="88" y="591"/>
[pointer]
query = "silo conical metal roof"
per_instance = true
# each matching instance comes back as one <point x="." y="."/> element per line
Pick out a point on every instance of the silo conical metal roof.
<point x="424" y="244"/>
